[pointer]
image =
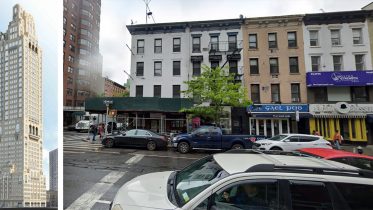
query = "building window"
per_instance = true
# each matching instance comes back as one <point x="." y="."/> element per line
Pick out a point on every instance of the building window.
<point x="337" y="62"/>
<point x="157" y="68"/>
<point x="315" y="60"/>
<point x="196" y="68"/>
<point x="72" y="48"/>
<point x="272" y="40"/>
<point x="73" y="27"/>
<point x="71" y="59"/>
<point x="140" y="46"/>
<point x="253" y="42"/>
<point x="254" y="66"/>
<point x="177" y="45"/>
<point x="273" y="65"/>
<point x="176" y="91"/>
<point x="233" y="69"/>
<point x="292" y="39"/>
<point x="70" y="69"/>
<point x="294" y="67"/>
<point x="196" y="44"/>
<point x="176" y="68"/>
<point x="214" y="42"/>
<point x="69" y="80"/>
<point x="157" y="91"/>
<point x="359" y="62"/>
<point x="336" y="37"/>
<point x="140" y="69"/>
<point x="275" y="93"/>
<point x="295" y="93"/>
<point x="64" y="20"/>
<point x="314" y="38"/>
<point x="69" y="92"/>
<point x="321" y="94"/>
<point x="157" y="45"/>
<point x="232" y="42"/>
<point x="357" y="36"/>
<point x="214" y="64"/>
<point x="359" y="94"/>
<point x="72" y="37"/>
<point x="255" y="93"/>
<point x="139" y="90"/>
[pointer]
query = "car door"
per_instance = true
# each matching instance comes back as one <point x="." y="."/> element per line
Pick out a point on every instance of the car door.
<point x="214" y="139"/>
<point x="291" y="143"/>
<point x="126" y="140"/>
<point x="201" y="138"/>
<point x="308" y="142"/>
<point x="140" y="139"/>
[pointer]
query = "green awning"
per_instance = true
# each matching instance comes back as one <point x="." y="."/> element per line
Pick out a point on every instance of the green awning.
<point x="78" y="113"/>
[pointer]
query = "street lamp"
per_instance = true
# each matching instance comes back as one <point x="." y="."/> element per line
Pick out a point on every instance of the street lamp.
<point x="107" y="103"/>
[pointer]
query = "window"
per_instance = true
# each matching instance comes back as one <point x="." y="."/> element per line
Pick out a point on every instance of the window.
<point x="72" y="37"/>
<point x="316" y="193"/>
<point x="73" y="27"/>
<point x="292" y="39"/>
<point x="293" y="62"/>
<point x="214" y="64"/>
<point x="336" y="37"/>
<point x="140" y="69"/>
<point x="214" y="42"/>
<point x="71" y="59"/>
<point x="196" y="68"/>
<point x="359" y="62"/>
<point x="157" y="91"/>
<point x="315" y="60"/>
<point x="253" y="42"/>
<point x="157" y="45"/>
<point x="255" y="93"/>
<point x="196" y="44"/>
<point x="176" y="91"/>
<point x="140" y="46"/>
<point x="357" y="36"/>
<point x="177" y="45"/>
<point x="359" y="94"/>
<point x="254" y="66"/>
<point x="232" y="42"/>
<point x="64" y="20"/>
<point x="70" y="69"/>
<point x="233" y="69"/>
<point x="273" y="65"/>
<point x="69" y="92"/>
<point x="157" y="68"/>
<point x="357" y="196"/>
<point x="176" y="68"/>
<point x="275" y="92"/>
<point x="139" y="91"/>
<point x="314" y="38"/>
<point x="72" y="48"/>
<point x="337" y="62"/>
<point x="320" y="94"/>
<point x="272" y="40"/>
<point x="295" y="92"/>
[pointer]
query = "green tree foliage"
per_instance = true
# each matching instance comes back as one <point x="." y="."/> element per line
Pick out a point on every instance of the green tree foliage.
<point x="218" y="88"/>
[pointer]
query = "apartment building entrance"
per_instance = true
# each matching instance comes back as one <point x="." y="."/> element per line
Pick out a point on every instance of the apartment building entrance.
<point x="269" y="127"/>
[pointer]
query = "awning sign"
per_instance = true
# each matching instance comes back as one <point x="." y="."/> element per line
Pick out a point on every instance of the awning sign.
<point x="278" y="108"/>
<point x="339" y="78"/>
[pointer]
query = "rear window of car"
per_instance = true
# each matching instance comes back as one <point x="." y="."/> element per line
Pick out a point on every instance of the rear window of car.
<point x="362" y="163"/>
<point x="357" y="196"/>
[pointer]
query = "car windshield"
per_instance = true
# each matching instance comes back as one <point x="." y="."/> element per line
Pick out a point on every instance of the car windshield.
<point x="362" y="163"/>
<point x="197" y="177"/>
<point x="278" y="137"/>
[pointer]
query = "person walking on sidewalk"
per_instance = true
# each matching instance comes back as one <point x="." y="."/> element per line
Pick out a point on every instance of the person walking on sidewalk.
<point x="94" y="132"/>
<point x="337" y="140"/>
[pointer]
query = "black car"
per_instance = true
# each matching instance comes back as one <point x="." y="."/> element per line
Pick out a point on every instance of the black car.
<point x="136" y="138"/>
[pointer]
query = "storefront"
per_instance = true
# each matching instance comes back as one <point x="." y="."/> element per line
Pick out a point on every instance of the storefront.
<point x="274" y="119"/>
<point x="349" y="119"/>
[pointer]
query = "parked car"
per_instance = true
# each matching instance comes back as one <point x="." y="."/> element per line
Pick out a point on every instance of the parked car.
<point x="211" y="138"/>
<point x="291" y="142"/>
<point x="83" y="125"/>
<point x="251" y="179"/>
<point x="357" y="160"/>
<point x="136" y="138"/>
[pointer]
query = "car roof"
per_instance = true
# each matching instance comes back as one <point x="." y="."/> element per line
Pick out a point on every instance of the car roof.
<point x="332" y="153"/>
<point x="299" y="134"/>
<point x="256" y="161"/>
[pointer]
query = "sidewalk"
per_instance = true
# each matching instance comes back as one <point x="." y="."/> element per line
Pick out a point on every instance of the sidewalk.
<point x="367" y="150"/>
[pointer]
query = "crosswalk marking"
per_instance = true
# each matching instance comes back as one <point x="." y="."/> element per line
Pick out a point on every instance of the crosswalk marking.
<point x="77" y="142"/>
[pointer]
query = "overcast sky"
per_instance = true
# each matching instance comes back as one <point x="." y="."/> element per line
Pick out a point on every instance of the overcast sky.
<point x="47" y="20"/>
<point x="116" y="14"/>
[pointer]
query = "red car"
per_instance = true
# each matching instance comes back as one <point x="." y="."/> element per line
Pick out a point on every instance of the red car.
<point x="357" y="160"/>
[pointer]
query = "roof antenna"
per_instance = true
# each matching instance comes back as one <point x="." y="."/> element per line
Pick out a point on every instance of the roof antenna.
<point x="148" y="12"/>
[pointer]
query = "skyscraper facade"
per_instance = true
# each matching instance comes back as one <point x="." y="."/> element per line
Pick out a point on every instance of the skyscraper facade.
<point x="82" y="64"/>
<point x="53" y="170"/>
<point x="22" y="182"/>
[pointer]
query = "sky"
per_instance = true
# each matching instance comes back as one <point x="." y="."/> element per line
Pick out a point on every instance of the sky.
<point x="116" y="14"/>
<point x="47" y="20"/>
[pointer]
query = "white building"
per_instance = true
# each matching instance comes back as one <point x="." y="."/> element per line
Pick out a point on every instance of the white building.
<point x="22" y="182"/>
<point x="53" y="170"/>
<point x="166" y="55"/>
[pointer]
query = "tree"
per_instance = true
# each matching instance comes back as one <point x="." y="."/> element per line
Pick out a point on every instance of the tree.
<point x="212" y="90"/>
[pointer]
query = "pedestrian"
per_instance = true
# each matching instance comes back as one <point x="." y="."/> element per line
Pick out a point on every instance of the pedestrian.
<point x="337" y="140"/>
<point x="100" y="130"/>
<point x="94" y="131"/>
<point x="316" y="133"/>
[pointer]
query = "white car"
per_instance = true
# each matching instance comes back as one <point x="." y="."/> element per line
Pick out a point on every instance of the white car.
<point x="292" y="142"/>
<point x="83" y="125"/>
<point x="251" y="179"/>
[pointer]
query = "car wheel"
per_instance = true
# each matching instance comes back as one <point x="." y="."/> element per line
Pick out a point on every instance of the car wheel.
<point x="109" y="143"/>
<point x="183" y="147"/>
<point x="151" y="145"/>
<point x="237" y="146"/>
<point x="276" y="148"/>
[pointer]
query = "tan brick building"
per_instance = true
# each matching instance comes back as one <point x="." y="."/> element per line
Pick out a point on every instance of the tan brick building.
<point x="113" y="89"/>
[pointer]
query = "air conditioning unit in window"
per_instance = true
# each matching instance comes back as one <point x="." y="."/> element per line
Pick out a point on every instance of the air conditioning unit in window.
<point x="295" y="100"/>
<point x="274" y="75"/>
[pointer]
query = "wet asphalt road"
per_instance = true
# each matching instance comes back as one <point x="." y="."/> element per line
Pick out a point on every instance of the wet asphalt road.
<point x="91" y="179"/>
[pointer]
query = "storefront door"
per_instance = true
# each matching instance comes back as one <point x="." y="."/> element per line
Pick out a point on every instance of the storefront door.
<point x="269" y="127"/>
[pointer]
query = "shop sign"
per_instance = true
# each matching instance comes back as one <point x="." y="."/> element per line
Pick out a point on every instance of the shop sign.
<point x="273" y="115"/>
<point x="340" y="78"/>
<point x="278" y="108"/>
<point x="341" y="108"/>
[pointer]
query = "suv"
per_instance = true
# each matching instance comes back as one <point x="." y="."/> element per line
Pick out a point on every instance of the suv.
<point x="251" y="179"/>
<point x="291" y="142"/>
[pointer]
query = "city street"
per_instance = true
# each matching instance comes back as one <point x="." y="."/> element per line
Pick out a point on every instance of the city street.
<point x="93" y="175"/>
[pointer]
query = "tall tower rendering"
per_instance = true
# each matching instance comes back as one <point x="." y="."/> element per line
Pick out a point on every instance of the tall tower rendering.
<point x="53" y="170"/>
<point x="82" y="63"/>
<point x="22" y="182"/>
